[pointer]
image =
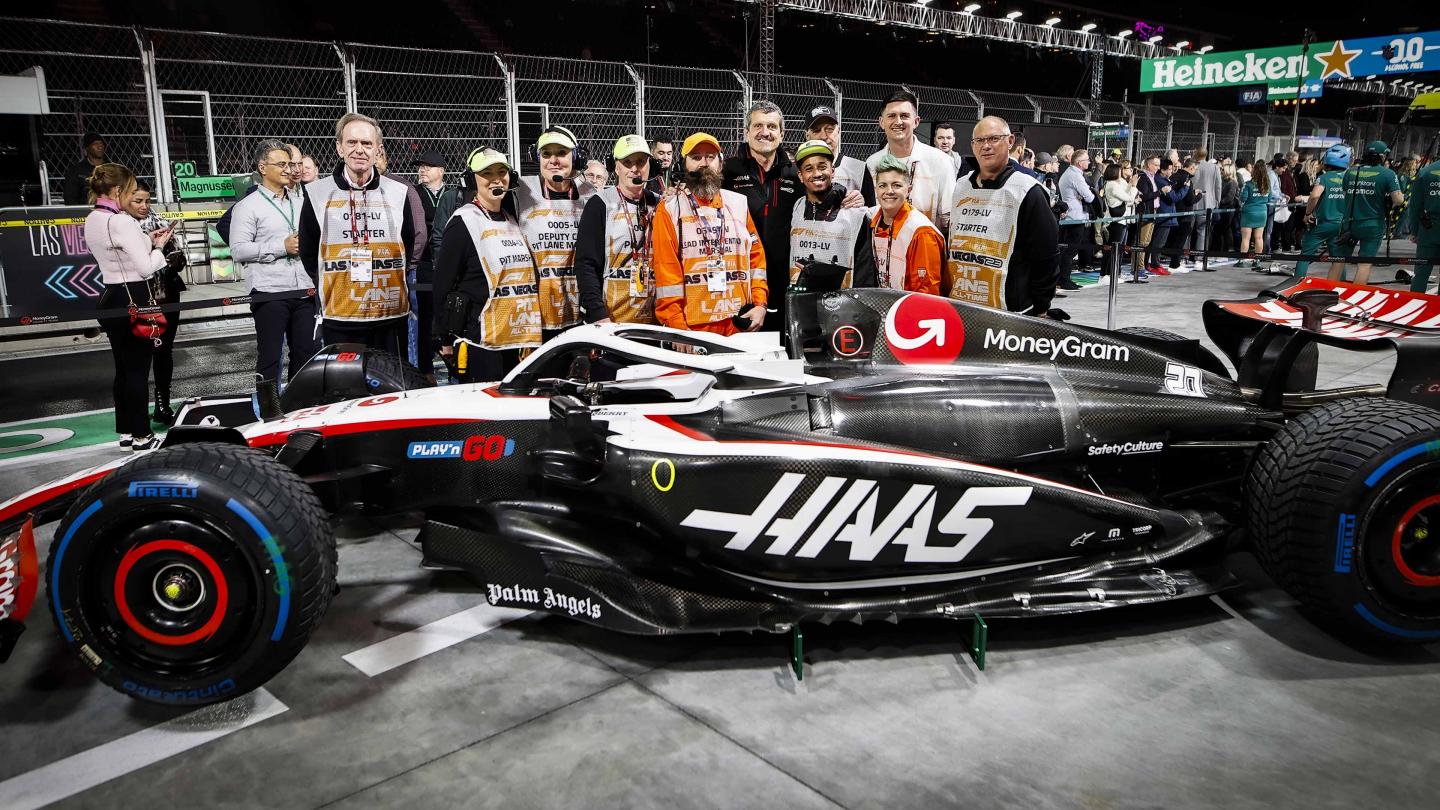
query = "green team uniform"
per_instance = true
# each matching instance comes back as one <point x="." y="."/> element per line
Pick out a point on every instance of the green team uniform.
<point x="1424" y="213"/>
<point x="1328" y="214"/>
<point x="1367" y="195"/>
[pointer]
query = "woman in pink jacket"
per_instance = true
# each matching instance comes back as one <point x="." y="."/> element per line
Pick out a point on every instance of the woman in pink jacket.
<point x="129" y="260"/>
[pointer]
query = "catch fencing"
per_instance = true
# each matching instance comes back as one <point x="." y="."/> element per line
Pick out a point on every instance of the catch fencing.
<point x="164" y="96"/>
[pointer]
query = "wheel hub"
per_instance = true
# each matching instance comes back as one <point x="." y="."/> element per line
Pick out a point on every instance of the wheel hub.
<point x="178" y="588"/>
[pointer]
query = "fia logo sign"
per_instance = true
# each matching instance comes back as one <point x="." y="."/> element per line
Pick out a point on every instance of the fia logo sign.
<point x="847" y="511"/>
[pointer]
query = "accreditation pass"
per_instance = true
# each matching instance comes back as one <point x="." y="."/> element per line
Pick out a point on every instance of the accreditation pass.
<point x="361" y="265"/>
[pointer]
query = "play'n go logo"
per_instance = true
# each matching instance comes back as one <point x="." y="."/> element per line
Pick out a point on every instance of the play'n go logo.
<point x="924" y="330"/>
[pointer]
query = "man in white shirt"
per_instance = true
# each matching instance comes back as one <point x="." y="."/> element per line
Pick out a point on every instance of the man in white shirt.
<point x="264" y="241"/>
<point x="932" y="172"/>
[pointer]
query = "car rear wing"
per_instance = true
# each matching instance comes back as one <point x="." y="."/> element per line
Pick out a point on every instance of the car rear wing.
<point x="1265" y="336"/>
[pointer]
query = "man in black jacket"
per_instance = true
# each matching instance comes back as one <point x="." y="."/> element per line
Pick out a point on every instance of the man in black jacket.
<point x="1180" y="234"/>
<point x="766" y="175"/>
<point x="77" y="177"/>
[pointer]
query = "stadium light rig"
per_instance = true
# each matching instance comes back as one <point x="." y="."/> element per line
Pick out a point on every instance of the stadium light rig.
<point x="972" y="8"/>
<point x="1206" y="49"/>
<point x="1013" y="15"/>
<point x="1123" y="34"/>
<point x="1184" y="43"/>
<point x="1087" y="28"/>
<point x="1050" y="23"/>
<point x="1155" y="39"/>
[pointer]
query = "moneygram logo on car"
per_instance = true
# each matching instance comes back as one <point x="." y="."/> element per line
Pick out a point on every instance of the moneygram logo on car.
<point x="1054" y="348"/>
<point x="475" y="448"/>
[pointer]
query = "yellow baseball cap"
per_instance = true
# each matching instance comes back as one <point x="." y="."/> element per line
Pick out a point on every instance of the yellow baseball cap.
<point x="483" y="158"/>
<point x="812" y="148"/>
<point x="629" y="145"/>
<point x="695" y="140"/>
<point x="556" y="135"/>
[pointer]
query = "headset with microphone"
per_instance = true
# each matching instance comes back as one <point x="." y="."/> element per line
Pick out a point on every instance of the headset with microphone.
<point x="579" y="156"/>
<point x="473" y="163"/>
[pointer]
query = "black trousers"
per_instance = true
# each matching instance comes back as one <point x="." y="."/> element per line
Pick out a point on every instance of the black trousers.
<point x="131" y="387"/>
<point x="289" y="320"/>
<point x="1180" y="239"/>
<point x="1072" y="238"/>
<point x="389" y="335"/>
<point x="164" y="357"/>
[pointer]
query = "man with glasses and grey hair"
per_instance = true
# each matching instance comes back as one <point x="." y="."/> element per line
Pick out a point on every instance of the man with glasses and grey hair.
<point x="1002" y="234"/>
<point x="265" y="242"/>
<point x="357" y="229"/>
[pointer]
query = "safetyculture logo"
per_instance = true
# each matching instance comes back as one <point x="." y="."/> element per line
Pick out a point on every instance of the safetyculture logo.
<point x="924" y="330"/>
<point x="1126" y="449"/>
<point x="475" y="448"/>
<point x="163" y="489"/>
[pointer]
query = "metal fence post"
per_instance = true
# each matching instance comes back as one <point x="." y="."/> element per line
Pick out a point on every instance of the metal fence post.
<point x="1236" y="156"/>
<point x="347" y="72"/>
<point x="1036" y="105"/>
<point x="747" y="96"/>
<point x="1169" y="128"/>
<point x="639" y="99"/>
<point x="1129" y="121"/>
<point x="979" y="105"/>
<point x="155" y="112"/>
<point x="839" y="99"/>
<point x="512" y="111"/>
<point x="1204" y="129"/>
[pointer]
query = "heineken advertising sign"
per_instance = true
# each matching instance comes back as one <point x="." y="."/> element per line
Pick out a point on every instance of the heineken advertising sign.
<point x="1269" y="66"/>
<point x="1286" y="66"/>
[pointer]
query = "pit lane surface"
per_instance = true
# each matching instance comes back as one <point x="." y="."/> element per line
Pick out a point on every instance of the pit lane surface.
<point x="1236" y="701"/>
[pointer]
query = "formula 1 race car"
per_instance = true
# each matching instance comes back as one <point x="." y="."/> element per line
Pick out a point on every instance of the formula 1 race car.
<point x="905" y="456"/>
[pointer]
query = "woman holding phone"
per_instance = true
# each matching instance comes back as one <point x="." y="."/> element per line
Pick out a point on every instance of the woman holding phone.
<point x="128" y="260"/>
<point x="168" y="287"/>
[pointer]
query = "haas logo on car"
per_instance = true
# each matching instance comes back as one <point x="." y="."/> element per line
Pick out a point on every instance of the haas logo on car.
<point x="924" y="330"/>
<point x="855" y="518"/>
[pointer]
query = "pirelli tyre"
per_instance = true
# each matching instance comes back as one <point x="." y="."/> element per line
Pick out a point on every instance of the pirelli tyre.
<point x="1344" y="513"/>
<point x="193" y="574"/>
<point x="386" y="373"/>
<point x="349" y="371"/>
<point x="1209" y="360"/>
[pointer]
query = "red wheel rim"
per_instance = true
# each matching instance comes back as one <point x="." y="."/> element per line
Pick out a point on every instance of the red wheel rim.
<point x="1411" y="576"/>
<point x="222" y="595"/>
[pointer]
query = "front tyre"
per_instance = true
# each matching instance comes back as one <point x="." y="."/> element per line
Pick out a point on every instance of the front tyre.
<point x="193" y="574"/>
<point x="1344" y="512"/>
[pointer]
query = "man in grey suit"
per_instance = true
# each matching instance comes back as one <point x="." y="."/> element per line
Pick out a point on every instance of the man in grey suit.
<point x="1207" y="185"/>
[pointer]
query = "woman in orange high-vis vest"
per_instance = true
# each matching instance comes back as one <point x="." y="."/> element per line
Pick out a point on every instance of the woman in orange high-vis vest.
<point x="909" y="251"/>
<point x="709" y="262"/>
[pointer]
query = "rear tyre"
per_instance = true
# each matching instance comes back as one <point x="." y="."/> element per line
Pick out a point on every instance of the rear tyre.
<point x="386" y="373"/>
<point x="193" y="574"/>
<point x="1344" y="513"/>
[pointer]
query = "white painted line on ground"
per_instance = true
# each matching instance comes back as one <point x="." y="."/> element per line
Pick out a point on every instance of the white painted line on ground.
<point x="97" y="450"/>
<point x="410" y="646"/>
<point x="74" y="774"/>
<point x="4" y="425"/>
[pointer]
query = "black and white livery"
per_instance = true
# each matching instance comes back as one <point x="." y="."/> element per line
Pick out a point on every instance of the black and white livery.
<point x="905" y="456"/>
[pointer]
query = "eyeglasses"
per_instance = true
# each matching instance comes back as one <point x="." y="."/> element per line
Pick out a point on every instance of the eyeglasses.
<point x="989" y="139"/>
<point x="284" y="165"/>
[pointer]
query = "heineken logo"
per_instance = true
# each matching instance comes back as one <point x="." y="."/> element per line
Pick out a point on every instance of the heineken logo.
<point x="1244" y="67"/>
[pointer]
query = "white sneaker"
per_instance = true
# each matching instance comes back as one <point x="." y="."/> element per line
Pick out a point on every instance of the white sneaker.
<point x="127" y="442"/>
<point x="144" y="443"/>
